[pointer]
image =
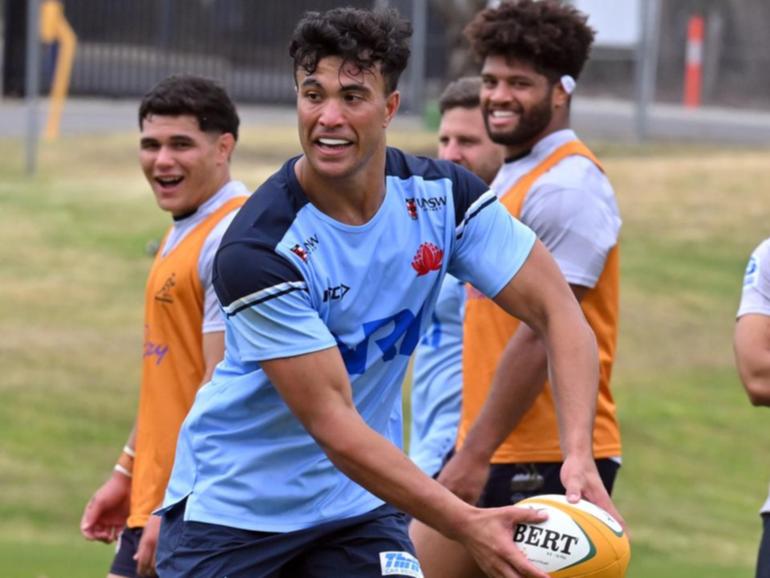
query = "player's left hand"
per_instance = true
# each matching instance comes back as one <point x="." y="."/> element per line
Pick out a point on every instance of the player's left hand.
<point x="581" y="480"/>
<point x="148" y="546"/>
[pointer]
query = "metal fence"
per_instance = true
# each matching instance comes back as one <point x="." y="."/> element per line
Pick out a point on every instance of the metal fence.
<point x="125" y="46"/>
<point x="734" y="55"/>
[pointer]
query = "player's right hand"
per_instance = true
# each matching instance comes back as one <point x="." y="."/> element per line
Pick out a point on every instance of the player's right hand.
<point x="465" y="476"/>
<point x="489" y="539"/>
<point x="106" y="513"/>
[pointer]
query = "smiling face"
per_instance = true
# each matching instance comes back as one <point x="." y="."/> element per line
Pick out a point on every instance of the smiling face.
<point x="520" y="105"/>
<point x="463" y="139"/>
<point x="343" y="112"/>
<point x="184" y="165"/>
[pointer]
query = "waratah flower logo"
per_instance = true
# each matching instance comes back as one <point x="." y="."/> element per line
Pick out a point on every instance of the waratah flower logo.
<point x="427" y="259"/>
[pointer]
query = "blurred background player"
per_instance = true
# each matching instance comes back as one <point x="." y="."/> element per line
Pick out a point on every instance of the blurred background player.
<point x="189" y="128"/>
<point x="437" y="375"/>
<point x="752" y="357"/>
<point x="531" y="54"/>
<point x="328" y="275"/>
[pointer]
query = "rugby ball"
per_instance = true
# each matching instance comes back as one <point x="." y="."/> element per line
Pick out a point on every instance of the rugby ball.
<point x="577" y="540"/>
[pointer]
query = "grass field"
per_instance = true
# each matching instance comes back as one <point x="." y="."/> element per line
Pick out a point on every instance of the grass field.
<point x="73" y="262"/>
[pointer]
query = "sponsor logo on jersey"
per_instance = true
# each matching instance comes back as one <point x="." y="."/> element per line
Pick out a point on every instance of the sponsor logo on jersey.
<point x="152" y="349"/>
<point x="411" y="208"/>
<point x="304" y="250"/>
<point x="299" y="252"/>
<point x="164" y="293"/>
<point x="400" y="564"/>
<point x="432" y="203"/>
<point x="335" y="293"/>
<point x="427" y="259"/>
<point x="428" y="204"/>
<point x="393" y="335"/>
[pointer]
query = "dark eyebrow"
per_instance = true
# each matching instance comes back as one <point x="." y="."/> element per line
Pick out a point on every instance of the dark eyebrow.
<point x="345" y="88"/>
<point x="355" y="88"/>
<point x="310" y="81"/>
<point x="174" y="139"/>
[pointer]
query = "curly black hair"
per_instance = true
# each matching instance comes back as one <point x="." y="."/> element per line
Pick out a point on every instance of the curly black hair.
<point x="197" y="96"/>
<point x="363" y="37"/>
<point x="554" y="37"/>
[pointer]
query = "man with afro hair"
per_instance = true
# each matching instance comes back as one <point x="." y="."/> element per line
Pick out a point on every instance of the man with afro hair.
<point x="508" y="447"/>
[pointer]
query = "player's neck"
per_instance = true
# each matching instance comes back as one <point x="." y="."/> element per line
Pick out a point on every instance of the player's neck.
<point x="350" y="199"/>
<point x="558" y="122"/>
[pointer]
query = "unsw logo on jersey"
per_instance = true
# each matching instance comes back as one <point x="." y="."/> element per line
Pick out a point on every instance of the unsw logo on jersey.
<point x="411" y="208"/>
<point x="427" y="259"/>
<point x="428" y="204"/>
<point x="299" y="252"/>
<point x="308" y="246"/>
<point x="400" y="564"/>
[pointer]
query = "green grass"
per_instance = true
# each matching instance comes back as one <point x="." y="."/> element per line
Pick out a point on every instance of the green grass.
<point x="72" y="248"/>
<point x="75" y="559"/>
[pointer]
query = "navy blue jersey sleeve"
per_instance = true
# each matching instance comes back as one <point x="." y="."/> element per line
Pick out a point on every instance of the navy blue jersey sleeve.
<point x="268" y="310"/>
<point x="245" y="272"/>
<point x="467" y="189"/>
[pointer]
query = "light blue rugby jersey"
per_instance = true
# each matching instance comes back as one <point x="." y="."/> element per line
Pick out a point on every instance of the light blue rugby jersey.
<point x="291" y="281"/>
<point x="437" y="380"/>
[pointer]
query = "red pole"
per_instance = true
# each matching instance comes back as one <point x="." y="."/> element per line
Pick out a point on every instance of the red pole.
<point x="693" y="62"/>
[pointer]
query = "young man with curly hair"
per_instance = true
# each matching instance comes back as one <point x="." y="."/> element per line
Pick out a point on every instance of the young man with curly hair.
<point x="286" y="464"/>
<point x="508" y="447"/>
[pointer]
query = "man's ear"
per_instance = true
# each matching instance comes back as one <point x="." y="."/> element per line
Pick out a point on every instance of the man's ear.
<point x="225" y="146"/>
<point x="560" y="97"/>
<point x="392" y="102"/>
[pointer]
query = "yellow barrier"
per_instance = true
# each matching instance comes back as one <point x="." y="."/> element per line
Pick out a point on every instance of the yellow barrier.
<point x="54" y="27"/>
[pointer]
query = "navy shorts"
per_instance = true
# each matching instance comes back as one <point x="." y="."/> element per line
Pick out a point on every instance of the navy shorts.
<point x="124" y="564"/>
<point x="368" y="546"/>
<point x="511" y="483"/>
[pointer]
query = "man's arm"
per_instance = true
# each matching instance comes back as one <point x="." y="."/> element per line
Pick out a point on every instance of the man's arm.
<point x="213" y="352"/>
<point x="105" y="514"/>
<point x="518" y="381"/>
<point x="316" y="388"/>
<point x="570" y="346"/>
<point x="752" y="356"/>
<point x="541" y="298"/>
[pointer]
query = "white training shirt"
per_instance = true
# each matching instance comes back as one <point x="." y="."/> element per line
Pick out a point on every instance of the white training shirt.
<point x="212" y="315"/>
<point x="571" y="208"/>
<point x="755" y="297"/>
